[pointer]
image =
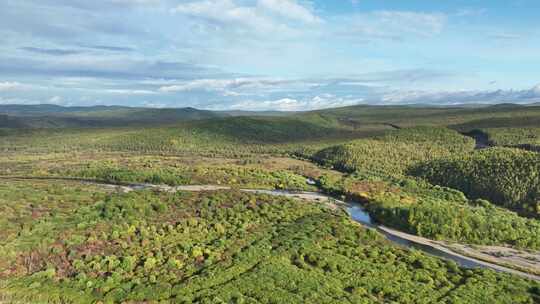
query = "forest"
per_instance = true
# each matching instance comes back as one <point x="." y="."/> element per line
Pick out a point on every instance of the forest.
<point x="77" y="224"/>
<point x="225" y="247"/>
<point x="506" y="177"/>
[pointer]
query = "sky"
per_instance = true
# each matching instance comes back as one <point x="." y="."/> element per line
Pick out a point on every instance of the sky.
<point x="268" y="54"/>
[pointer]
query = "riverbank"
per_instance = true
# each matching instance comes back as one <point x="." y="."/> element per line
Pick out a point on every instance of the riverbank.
<point x="521" y="260"/>
<point x="466" y="255"/>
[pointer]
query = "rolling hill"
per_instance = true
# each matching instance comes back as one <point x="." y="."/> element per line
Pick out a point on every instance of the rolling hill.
<point x="53" y="116"/>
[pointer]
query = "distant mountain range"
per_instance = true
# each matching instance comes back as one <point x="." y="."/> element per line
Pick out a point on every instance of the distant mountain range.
<point x="54" y="116"/>
<point x="45" y="116"/>
<point x="55" y="110"/>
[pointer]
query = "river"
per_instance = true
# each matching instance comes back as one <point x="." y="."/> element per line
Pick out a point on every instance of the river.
<point x="360" y="215"/>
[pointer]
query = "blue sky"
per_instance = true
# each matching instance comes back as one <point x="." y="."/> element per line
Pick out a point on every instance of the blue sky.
<point x="268" y="54"/>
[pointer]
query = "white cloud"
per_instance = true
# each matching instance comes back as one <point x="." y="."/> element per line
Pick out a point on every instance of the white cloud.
<point x="392" y="25"/>
<point x="199" y="84"/>
<point x="137" y="2"/>
<point x="103" y="66"/>
<point x="10" y="86"/>
<point x="413" y="22"/>
<point x="228" y="12"/>
<point x="100" y="5"/>
<point x="266" y="16"/>
<point x="225" y="84"/>
<point x="505" y="37"/>
<point x="283" y="104"/>
<point x="152" y="104"/>
<point x="129" y="92"/>
<point x="17" y="101"/>
<point x="232" y="94"/>
<point x="252" y="90"/>
<point x="56" y="100"/>
<point x="462" y="97"/>
<point x="290" y="9"/>
<point x="295" y="104"/>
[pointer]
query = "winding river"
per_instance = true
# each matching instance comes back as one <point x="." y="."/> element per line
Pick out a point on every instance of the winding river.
<point x="355" y="210"/>
<point x="360" y="215"/>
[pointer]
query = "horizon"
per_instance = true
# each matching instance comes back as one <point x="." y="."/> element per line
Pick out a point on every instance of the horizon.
<point x="412" y="105"/>
<point x="268" y="55"/>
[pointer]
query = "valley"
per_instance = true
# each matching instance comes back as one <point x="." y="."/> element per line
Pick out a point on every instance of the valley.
<point x="189" y="212"/>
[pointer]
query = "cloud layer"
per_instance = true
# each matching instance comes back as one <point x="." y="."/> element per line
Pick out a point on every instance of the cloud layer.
<point x="265" y="54"/>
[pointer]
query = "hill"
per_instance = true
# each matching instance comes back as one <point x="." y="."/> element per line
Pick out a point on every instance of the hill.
<point x="53" y="116"/>
<point x="51" y="109"/>
<point x="507" y="177"/>
<point x="395" y="151"/>
<point x="461" y="118"/>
